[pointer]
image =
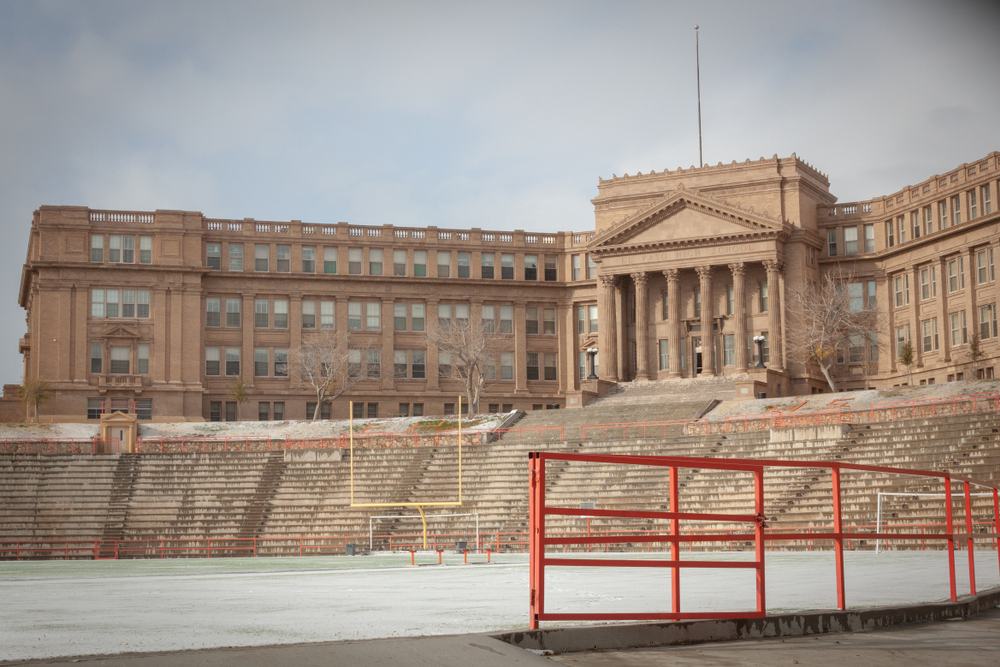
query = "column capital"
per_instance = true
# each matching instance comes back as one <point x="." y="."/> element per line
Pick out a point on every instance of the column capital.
<point x="704" y="272"/>
<point x="671" y="274"/>
<point x="609" y="281"/>
<point x="738" y="268"/>
<point x="640" y="278"/>
<point x="774" y="265"/>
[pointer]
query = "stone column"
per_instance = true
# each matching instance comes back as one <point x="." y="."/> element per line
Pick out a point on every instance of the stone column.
<point x="621" y="329"/>
<point x="674" y="320"/>
<point x="608" y="330"/>
<point x="641" y="280"/>
<point x="707" y="335"/>
<point x="774" y="269"/>
<point x="739" y="315"/>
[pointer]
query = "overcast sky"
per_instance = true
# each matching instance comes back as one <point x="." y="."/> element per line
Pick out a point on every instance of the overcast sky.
<point x="470" y="114"/>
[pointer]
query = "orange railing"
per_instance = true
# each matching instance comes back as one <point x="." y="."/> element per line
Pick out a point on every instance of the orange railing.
<point x="934" y="407"/>
<point x="752" y="530"/>
<point x="60" y="446"/>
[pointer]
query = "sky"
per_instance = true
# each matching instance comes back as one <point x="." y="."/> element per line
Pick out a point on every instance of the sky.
<point x="497" y="115"/>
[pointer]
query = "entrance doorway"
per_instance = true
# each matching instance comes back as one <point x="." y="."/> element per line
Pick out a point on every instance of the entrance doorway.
<point x="697" y="357"/>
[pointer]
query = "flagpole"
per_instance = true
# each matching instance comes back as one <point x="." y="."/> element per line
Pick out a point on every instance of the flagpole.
<point x="697" y="59"/>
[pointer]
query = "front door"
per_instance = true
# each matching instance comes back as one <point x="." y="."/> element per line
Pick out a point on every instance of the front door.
<point x="697" y="357"/>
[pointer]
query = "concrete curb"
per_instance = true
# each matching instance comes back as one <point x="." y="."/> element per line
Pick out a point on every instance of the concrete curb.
<point x="646" y="635"/>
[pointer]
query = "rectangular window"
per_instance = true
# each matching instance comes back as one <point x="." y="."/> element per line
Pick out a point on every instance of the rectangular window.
<point x="766" y="348"/>
<point x="375" y="262"/>
<point x="261" y="258"/>
<point x="213" y="313"/>
<point x="142" y="303"/>
<point x="506" y="319"/>
<point x="925" y="283"/>
<point x="96" y="358"/>
<point x="308" y="259"/>
<point x="531" y="361"/>
<point x="987" y="203"/>
<point x="281" y="313"/>
<point x="697" y="302"/>
<point x="283" y="259"/>
<point x="506" y="366"/>
<point x="591" y="268"/>
<point x="551" y="268"/>
<point x="373" y="316"/>
<point x="420" y="263"/>
<point x="988" y="321"/>
<point x="489" y="318"/>
<point x="399" y="317"/>
<point x="549" y="321"/>
<point x="464" y="265"/>
<point x="856" y="348"/>
<point x="959" y="333"/>
<point x="444" y="364"/>
<point x="279" y="411"/>
<point x="330" y="260"/>
<point x="327" y="317"/>
<point x="487" y="262"/>
<point x="128" y="250"/>
<point x="531" y="267"/>
<point x="354" y="315"/>
<point x="915" y="223"/>
<point x="856" y="297"/>
<point x="551" y="367"/>
<point x="373" y="411"/>
<point x="506" y="267"/>
<point x="417" y="314"/>
<point x="729" y="349"/>
<point x="115" y="248"/>
<point x="97" y="247"/>
<point x="462" y="315"/>
<point x="444" y="264"/>
<point x="928" y="220"/>
<point x="831" y="242"/>
<point x="664" y="346"/>
<point x="235" y="256"/>
<point x="212" y="360"/>
<point x="353" y="366"/>
<point x="890" y="237"/>
<point x="120" y="357"/>
<point x="956" y="274"/>
<point x="850" y="240"/>
<point x="215" y="411"/>
<point x="901" y="231"/>
<point x="354" y="261"/>
<point x="943" y="214"/>
<point x="309" y="314"/>
<point x="111" y="305"/>
<point x="730" y="300"/>
<point x="261" y="314"/>
<point x="374" y="363"/>
<point x="399" y="366"/>
<point x="444" y="315"/>
<point x="232" y="313"/>
<point x="581" y="320"/>
<point x="930" y="334"/>
<point x="232" y="361"/>
<point x="281" y="362"/>
<point x="418" y="367"/>
<point x="902" y="288"/>
<point x="984" y="266"/>
<point x="956" y="209"/>
<point x="261" y="361"/>
<point x="145" y="249"/>
<point x="230" y="411"/>
<point x="399" y="263"/>
<point x="358" y="410"/>
<point x="582" y="365"/>
<point x="576" y="267"/>
<point x="872" y="297"/>
<point x="531" y="320"/>
<point x="592" y="310"/>
<point x="213" y="256"/>
<point x="128" y="303"/>
<point x="973" y="205"/>
<point x="263" y="411"/>
<point x="762" y="290"/>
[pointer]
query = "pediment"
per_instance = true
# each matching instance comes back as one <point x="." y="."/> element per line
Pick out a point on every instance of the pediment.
<point x="687" y="218"/>
<point x="120" y="331"/>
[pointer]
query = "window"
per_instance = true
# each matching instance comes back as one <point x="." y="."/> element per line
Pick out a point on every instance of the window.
<point x="531" y="361"/>
<point x="988" y="321"/>
<point x="444" y="364"/>
<point x="956" y="274"/>
<point x="855" y="296"/>
<point x="984" y="266"/>
<point x="506" y="319"/>
<point x="353" y="365"/>
<point x="928" y="220"/>
<point x="261" y="361"/>
<point x="263" y="411"/>
<point x="261" y="258"/>
<point x="506" y="366"/>
<point x="358" y="411"/>
<point x="128" y="250"/>
<point x="235" y="256"/>
<point x="111" y="304"/>
<point x="399" y="262"/>
<point x="890" y="237"/>
<point x="576" y="267"/>
<point x="464" y="265"/>
<point x="230" y="411"/>
<point x="697" y="302"/>
<point x="261" y="314"/>
<point x="551" y="268"/>
<point x="930" y="334"/>
<point x="549" y="321"/>
<point x="120" y="357"/>
<point x="762" y="290"/>
<point x="856" y="348"/>
<point x="281" y="362"/>
<point x="901" y="284"/>
<point x="956" y="207"/>
<point x="506" y="267"/>
<point x="281" y="313"/>
<point x="309" y="314"/>
<point x="404" y="409"/>
<point x="730" y="300"/>
<point x="664" y="345"/>
<point x="375" y="262"/>
<point x="418" y="368"/>
<point x="487" y="262"/>
<point x="462" y="315"/>
<point x="215" y="411"/>
<point x="372" y="410"/>
<point x="374" y="316"/>
<point x="987" y="204"/>
<point x="115" y="248"/>
<point x="374" y="363"/>
<point x="420" y="263"/>
<point x="872" y="298"/>
<point x="97" y="248"/>
<point x="959" y="334"/>
<point x="444" y="315"/>
<point x="928" y="282"/>
<point x="591" y="268"/>
<point x="530" y="320"/>
<point x="330" y="260"/>
<point x="489" y="319"/>
<point x="901" y="224"/>
<point x="232" y="361"/>
<point x="324" y="411"/>
<point x="399" y="367"/>
<point x="444" y="264"/>
<point x="582" y="365"/>
<point x="308" y="259"/>
<point x="96" y="358"/>
<point x="354" y="261"/>
<point x="850" y="240"/>
<point x="973" y="205"/>
<point x="551" y="367"/>
<point x="213" y="313"/>
<point x="766" y="348"/>
<point x="399" y="317"/>
<point x="581" y="320"/>
<point x="284" y="259"/>
<point x="354" y="315"/>
<point x="232" y="313"/>
<point x="417" y="311"/>
<point x="943" y="213"/>
<point x="531" y="267"/>
<point x="831" y="242"/>
<point x="592" y="311"/>
<point x="729" y="349"/>
<point x="327" y="319"/>
<point x="915" y="223"/>
<point x="142" y="359"/>
<point x="145" y="249"/>
<point x="810" y="256"/>
<point x="128" y="303"/>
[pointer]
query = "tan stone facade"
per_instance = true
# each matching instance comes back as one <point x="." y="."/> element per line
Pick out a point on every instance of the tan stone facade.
<point x="684" y="268"/>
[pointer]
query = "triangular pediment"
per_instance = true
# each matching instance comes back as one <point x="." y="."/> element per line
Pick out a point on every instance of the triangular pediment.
<point x="120" y="331"/>
<point x="686" y="218"/>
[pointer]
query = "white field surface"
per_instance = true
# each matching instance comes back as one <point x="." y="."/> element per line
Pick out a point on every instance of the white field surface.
<point x="63" y="608"/>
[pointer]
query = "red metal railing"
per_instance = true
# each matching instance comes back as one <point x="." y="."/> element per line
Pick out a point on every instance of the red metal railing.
<point x="841" y="534"/>
<point x="988" y="401"/>
<point x="60" y="445"/>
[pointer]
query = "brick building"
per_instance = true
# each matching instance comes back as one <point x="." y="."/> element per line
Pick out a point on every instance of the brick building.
<point x="681" y="271"/>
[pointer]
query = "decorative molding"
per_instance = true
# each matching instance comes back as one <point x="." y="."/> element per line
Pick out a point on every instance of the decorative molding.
<point x="738" y="268"/>
<point x="774" y="266"/>
<point x="672" y="275"/>
<point x="640" y="278"/>
<point x="704" y="272"/>
<point x="609" y="281"/>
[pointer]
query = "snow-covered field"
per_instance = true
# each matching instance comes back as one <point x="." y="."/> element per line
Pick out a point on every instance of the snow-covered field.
<point x="57" y="608"/>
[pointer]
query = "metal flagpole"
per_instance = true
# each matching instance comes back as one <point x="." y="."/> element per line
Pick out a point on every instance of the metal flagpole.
<point x="697" y="59"/>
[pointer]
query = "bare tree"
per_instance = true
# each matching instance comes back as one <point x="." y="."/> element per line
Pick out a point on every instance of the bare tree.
<point x="240" y="393"/>
<point x="332" y="365"/>
<point x="976" y="355"/>
<point x="475" y="350"/>
<point x="907" y="358"/>
<point x="35" y="392"/>
<point x="834" y="315"/>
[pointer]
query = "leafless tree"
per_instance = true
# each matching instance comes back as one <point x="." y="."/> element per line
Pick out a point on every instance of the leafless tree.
<point x="34" y="392"/>
<point x="475" y="350"/>
<point x="332" y="365"/>
<point x="834" y="314"/>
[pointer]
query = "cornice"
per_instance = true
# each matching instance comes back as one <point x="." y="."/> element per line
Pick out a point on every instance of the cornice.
<point x="683" y="244"/>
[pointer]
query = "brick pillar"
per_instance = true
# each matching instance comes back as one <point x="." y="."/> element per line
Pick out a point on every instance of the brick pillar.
<point x="944" y="324"/>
